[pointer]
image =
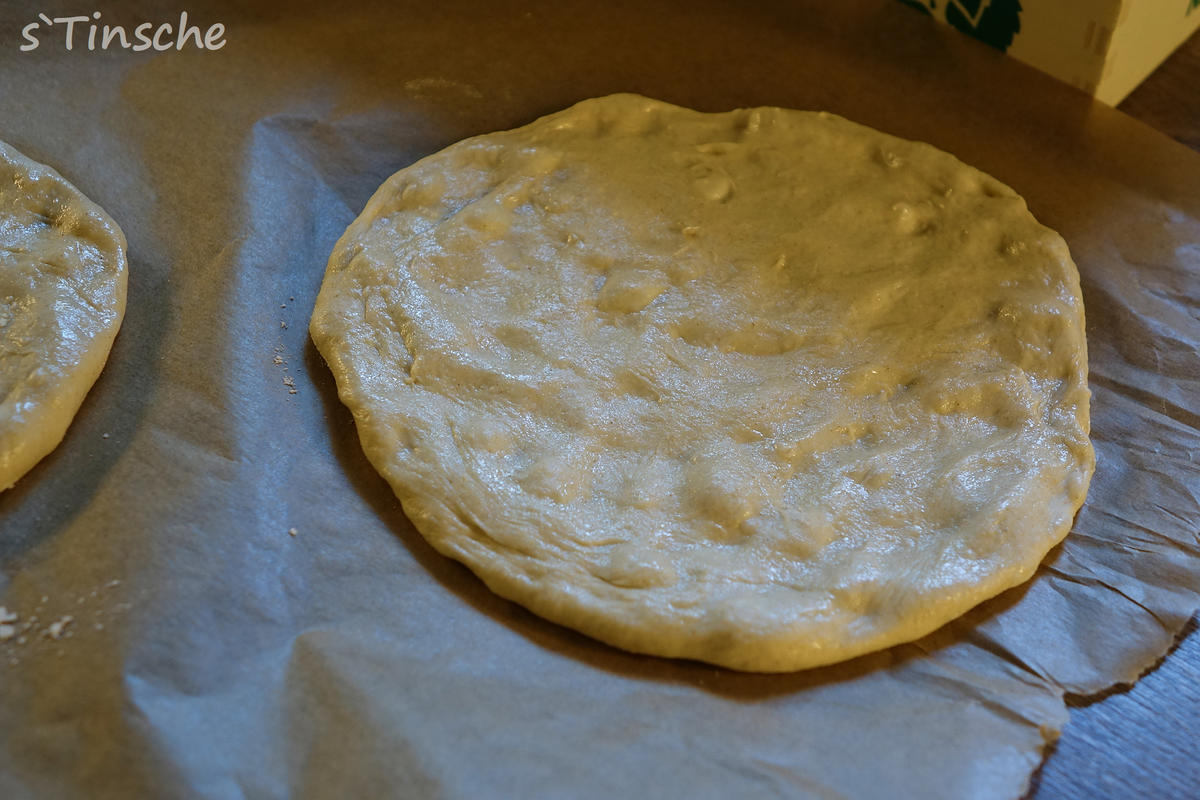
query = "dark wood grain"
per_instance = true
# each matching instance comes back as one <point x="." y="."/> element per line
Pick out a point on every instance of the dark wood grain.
<point x="1169" y="99"/>
<point x="1137" y="742"/>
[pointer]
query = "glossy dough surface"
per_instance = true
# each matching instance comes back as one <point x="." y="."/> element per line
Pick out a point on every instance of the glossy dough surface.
<point x="764" y="388"/>
<point x="62" y="297"/>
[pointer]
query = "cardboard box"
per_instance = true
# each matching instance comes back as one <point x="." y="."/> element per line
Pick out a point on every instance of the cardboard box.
<point x="1105" y="47"/>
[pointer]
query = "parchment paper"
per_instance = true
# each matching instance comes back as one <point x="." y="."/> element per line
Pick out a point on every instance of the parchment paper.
<point x="211" y="653"/>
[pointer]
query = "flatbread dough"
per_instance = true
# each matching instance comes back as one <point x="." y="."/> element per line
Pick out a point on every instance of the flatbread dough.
<point x="765" y="388"/>
<point x="62" y="297"/>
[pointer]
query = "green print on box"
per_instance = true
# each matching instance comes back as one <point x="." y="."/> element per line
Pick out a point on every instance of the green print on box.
<point x="993" y="21"/>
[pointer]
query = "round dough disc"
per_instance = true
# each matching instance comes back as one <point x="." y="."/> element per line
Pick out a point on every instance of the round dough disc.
<point x="62" y="297"/>
<point x="766" y="388"/>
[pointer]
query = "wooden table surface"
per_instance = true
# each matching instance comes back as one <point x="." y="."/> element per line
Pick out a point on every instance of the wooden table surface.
<point x="1169" y="99"/>
<point x="1142" y="742"/>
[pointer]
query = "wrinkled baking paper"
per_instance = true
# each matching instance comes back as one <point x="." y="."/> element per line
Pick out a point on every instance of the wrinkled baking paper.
<point x="216" y="596"/>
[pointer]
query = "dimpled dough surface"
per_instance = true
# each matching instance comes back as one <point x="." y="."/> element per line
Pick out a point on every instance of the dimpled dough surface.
<point x="62" y="297"/>
<point x="764" y="388"/>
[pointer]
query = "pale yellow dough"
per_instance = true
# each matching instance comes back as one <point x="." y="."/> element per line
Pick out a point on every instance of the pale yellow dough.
<point x="766" y="388"/>
<point x="62" y="297"/>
